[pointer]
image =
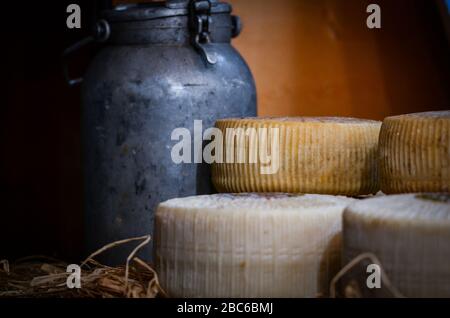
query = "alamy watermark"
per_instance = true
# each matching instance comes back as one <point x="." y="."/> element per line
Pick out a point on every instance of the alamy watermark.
<point x="74" y="279"/>
<point x="242" y="145"/>
<point x="73" y="20"/>
<point x="373" y="281"/>
<point x="374" y="19"/>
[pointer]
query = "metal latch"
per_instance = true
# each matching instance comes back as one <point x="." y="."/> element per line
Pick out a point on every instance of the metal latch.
<point x="200" y="22"/>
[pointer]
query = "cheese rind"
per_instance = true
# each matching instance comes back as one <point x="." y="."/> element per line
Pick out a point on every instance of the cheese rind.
<point x="415" y="153"/>
<point x="409" y="234"/>
<point x="325" y="155"/>
<point x="249" y="245"/>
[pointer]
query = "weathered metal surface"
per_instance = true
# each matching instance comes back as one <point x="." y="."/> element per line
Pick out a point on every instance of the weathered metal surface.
<point x="148" y="81"/>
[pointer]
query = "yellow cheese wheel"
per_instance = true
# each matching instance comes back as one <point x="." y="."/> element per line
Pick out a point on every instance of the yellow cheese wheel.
<point x="249" y="245"/>
<point x="409" y="234"/>
<point x="415" y="153"/>
<point x="324" y="155"/>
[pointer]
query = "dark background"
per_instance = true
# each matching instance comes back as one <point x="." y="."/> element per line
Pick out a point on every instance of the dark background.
<point x="40" y="160"/>
<point x="40" y="165"/>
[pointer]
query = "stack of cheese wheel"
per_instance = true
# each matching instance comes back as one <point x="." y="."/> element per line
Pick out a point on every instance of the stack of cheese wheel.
<point x="326" y="155"/>
<point x="409" y="234"/>
<point x="268" y="245"/>
<point x="415" y="153"/>
<point x="249" y="245"/>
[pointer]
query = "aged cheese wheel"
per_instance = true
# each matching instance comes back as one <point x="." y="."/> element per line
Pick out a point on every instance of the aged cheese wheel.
<point x="415" y="153"/>
<point x="325" y="155"/>
<point x="249" y="245"/>
<point x="409" y="234"/>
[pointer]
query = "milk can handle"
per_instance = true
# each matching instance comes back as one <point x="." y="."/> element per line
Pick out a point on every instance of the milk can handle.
<point x="101" y="34"/>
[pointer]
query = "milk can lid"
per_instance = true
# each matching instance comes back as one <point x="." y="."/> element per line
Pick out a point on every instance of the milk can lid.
<point x="159" y="9"/>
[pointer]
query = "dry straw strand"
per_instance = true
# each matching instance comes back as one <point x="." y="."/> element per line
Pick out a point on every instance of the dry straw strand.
<point x="40" y="276"/>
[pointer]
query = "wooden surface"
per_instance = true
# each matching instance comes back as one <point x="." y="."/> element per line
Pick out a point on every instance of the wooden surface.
<point x="319" y="58"/>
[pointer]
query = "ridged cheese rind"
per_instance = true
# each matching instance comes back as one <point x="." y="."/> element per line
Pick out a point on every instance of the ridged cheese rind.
<point x="325" y="155"/>
<point x="249" y="245"/>
<point x="415" y="153"/>
<point x="409" y="234"/>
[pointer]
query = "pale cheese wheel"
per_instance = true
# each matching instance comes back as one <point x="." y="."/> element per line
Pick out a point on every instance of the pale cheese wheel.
<point x="249" y="245"/>
<point x="409" y="234"/>
<point x="415" y="153"/>
<point x="325" y="155"/>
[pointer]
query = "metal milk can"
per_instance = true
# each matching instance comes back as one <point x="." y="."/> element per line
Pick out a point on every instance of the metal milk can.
<point x="163" y="65"/>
